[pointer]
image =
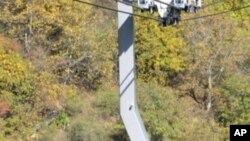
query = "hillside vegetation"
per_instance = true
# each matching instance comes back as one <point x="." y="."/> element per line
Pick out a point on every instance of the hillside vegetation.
<point x="58" y="73"/>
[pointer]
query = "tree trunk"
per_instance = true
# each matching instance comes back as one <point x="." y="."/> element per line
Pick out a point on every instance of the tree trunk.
<point x="210" y="88"/>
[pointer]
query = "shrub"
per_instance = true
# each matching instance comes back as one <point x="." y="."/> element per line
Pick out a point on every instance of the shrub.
<point x="107" y="101"/>
<point x="87" y="130"/>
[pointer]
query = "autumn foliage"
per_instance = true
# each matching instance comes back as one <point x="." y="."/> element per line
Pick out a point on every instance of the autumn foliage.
<point x="58" y="73"/>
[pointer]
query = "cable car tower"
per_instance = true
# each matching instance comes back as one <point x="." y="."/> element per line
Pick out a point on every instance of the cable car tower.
<point x="169" y="14"/>
<point x="128" y="106"/>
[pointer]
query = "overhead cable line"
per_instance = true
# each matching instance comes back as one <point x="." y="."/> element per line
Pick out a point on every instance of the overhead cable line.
<point x="115" y="10"/>
<point x="215" y="14"/>
<point x="155" y="19"/>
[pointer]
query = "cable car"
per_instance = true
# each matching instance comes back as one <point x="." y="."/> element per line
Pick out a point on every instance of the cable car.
<point x="180" y="3"/>
<point x="169" y="13"/>
<point x="146" y="5"/>
<point x="170" y="10"/>
<point x="192" y="6"/>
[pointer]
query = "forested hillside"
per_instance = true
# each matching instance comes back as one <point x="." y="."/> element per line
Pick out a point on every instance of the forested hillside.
<point x="58" y="72"/>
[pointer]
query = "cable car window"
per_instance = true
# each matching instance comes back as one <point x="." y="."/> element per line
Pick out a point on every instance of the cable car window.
<point x="142" y="1"/>
<point x="179" y="1"/>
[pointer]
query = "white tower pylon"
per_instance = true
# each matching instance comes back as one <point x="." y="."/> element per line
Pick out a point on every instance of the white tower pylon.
<point x="128" y="106"/>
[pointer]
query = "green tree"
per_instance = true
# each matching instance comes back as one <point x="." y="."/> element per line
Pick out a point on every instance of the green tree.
<point x="214" y="45"/>
<point x="56" y="37"/>
<point x="165" y="116"/>
<point x="234" y="107"/>
<point x="17" y="88"/>
<point x="160" y="51"/>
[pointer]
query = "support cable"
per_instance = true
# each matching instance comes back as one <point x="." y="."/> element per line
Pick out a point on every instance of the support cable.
<point x="215" y="14"/>
<point x="156" y="19"/>
<point x="115" y="10"/>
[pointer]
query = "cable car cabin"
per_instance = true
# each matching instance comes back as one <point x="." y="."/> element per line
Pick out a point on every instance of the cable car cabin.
<point x="146" y="5"/>
<point x="170" y="10"/>
<point x="189" y="6"/>
<point x="180" y="3"/>
<point x="192" y="6"/>
<point x="168" y="15"/>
